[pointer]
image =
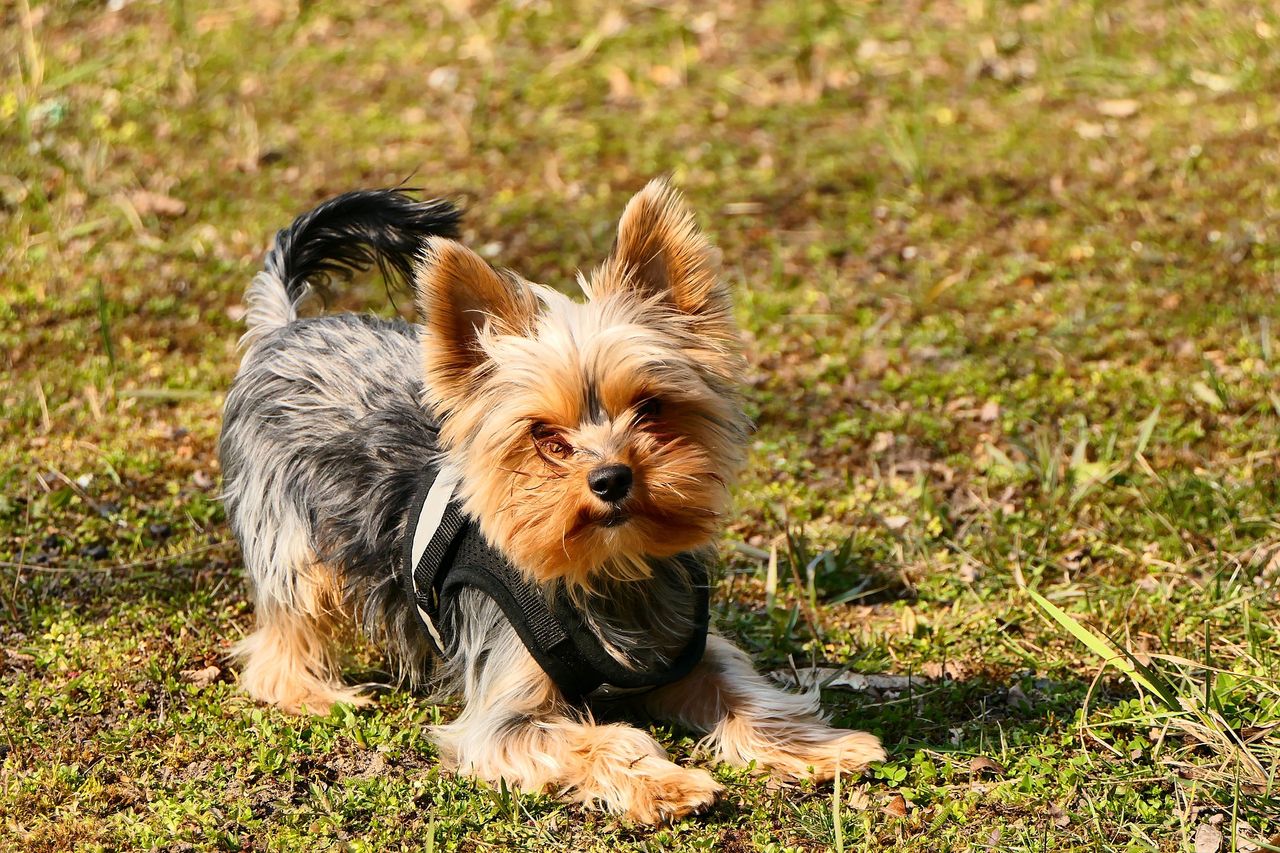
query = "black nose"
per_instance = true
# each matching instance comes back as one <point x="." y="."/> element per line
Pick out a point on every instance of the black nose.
<point x="610" y="482"/>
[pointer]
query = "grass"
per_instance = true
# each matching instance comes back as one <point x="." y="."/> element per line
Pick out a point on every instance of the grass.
<point x="1008" y="279"/>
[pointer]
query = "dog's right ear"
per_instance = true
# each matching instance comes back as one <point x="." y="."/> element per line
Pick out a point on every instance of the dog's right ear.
<point x="461" y="300"/>
<point x="661" y="254"/>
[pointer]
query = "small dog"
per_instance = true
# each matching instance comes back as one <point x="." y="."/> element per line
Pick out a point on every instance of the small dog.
<point x="591" y="444"/>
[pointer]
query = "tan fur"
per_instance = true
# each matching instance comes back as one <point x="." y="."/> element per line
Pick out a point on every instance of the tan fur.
<point x="517" y="729"/>
<point x="291" y="659"/>
<point x="749" y="720"/>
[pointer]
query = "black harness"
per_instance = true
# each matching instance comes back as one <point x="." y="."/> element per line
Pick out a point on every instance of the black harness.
<point x="445" y="553"/>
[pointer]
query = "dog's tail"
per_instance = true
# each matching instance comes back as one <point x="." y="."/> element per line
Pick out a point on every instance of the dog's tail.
<point x="349" y="233"/>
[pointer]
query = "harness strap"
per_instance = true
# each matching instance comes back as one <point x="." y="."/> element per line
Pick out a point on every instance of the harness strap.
<point x="446" y="553"/>
<point x="438" y="523"/>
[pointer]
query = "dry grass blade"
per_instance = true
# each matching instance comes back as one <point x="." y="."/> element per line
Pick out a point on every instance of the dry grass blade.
<point x="1204" y="725"/>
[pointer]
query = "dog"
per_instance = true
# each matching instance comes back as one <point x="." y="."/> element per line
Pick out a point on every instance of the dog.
<point x="589" y="446"/>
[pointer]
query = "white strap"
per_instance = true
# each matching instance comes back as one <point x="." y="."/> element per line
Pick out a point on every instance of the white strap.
<point x="432" y="513"/>
<point x="428" y="523"/>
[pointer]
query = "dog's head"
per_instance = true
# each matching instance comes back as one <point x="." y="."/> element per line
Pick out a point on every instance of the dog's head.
<point x="589" y="436"/>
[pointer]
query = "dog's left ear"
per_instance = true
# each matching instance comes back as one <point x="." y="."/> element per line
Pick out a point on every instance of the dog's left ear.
<point x="661" y="252"/>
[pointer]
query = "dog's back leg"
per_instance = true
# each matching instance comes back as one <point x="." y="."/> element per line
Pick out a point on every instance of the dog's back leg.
<point x="291" y="660"/>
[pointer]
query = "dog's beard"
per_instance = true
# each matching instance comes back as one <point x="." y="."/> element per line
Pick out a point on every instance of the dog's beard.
<point x="525" y="443"/>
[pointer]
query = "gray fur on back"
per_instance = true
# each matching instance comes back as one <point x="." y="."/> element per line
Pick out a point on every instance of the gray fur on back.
<point x="323" y="441"/>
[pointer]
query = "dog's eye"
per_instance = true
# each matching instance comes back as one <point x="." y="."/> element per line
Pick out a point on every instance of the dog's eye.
<point x="648" y="409"/>
<point x="549" y="442"/>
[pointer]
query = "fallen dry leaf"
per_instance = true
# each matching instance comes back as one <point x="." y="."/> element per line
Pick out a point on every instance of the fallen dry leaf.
<point x="376" y="766"/>
<point x="980" y="765"/>
<point x="1017" y="698"/>
<point x="909" y="622"/>
<point x="933" y="670"/>
<point x="827" y="676"/>
<point x="1213" y="82"/>
<point x="1089" y="130"/>
<point x="201" y="677"/>
<point x="857" y="799"/>
<point x="883" y="441"/>
<point x="620" y="89"/>
<point x="774" y="784"/>
<point x="896" y="806"/>
<point x="147" y="203"/>
<point x="1118" y="107"/>
<point x="1208" y="839"/>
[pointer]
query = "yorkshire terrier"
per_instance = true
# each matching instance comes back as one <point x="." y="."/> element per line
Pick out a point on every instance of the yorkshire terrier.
<point x="589" y="446"/>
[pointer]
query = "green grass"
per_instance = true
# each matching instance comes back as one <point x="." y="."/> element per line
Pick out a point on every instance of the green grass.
<point x="1008" y="276"/>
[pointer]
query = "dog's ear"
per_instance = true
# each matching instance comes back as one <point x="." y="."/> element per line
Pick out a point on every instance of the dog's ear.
<point x="660" y="252"/>
<point x="460" y="300"/>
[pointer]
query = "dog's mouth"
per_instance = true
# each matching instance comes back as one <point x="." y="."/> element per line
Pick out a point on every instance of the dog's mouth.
<point x="608" y="520"/>
<point x="615" y="518"/>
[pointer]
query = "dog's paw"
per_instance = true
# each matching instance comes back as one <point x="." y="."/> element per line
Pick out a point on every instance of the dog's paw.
<point x="849" y="752"/>
<point x="668" y="793"/>
<point x="320" y="703"/>
<point x="300" y="695"/>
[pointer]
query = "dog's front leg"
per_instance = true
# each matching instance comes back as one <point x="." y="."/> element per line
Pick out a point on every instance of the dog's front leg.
<point x="748" y="720"/>
<point x="516" y="727"/>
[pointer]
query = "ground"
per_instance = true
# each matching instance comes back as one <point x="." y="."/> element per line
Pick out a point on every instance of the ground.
<point x="1008" y="276"/>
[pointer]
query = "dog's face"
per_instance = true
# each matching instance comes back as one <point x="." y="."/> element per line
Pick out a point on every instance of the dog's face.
<point x="589" y="436"/>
